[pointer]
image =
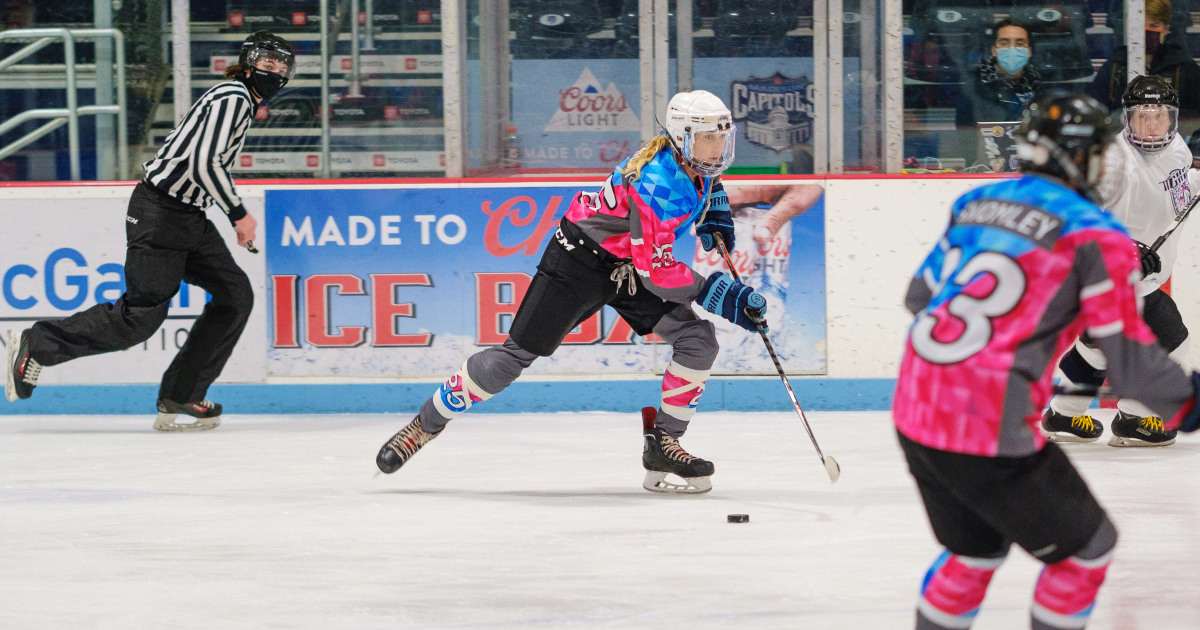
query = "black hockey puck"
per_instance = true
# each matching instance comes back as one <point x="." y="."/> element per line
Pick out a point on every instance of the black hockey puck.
<point x="738" y="518"/>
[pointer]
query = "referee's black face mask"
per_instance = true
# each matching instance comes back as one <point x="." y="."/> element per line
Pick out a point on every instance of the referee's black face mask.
<point x="266" y="84"/>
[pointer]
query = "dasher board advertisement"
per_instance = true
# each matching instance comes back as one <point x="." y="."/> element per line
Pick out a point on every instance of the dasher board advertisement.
<point x="62" y="256"/>
<point x="411" y="282"/>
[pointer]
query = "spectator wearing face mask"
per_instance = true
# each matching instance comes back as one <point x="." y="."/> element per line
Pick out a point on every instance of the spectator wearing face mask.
<point x="1167" y="60"/>
<point x="1005" y="81"/>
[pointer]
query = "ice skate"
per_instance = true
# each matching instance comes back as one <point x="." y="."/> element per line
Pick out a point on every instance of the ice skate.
<point x="22" y="371"/>
<point x="663" y="456"/>
<point x="1130" y="430"/>
<point x="1061" y="428"/>
<point x="206" y="413"/>
<point x="403" y="446"/>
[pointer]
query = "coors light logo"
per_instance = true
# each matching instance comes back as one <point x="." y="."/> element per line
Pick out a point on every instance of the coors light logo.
<point x="776" y="111"/>
<point x="584" y="107"/>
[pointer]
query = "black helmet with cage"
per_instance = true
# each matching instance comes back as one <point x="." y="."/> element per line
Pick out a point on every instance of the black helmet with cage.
<point x="263" y="44"/>
<point x="1064" y="135"/>
<point x="270" y="62"/>
<point x="1151" y="113"/>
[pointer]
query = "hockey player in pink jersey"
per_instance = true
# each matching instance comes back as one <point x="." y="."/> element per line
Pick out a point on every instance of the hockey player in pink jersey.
<point x="1024" y="267"/>
<point x="1148" y="182"/>
<point x="615" y="247"/>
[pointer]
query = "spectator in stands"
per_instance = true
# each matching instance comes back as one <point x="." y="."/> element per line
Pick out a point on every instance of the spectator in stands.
<point x="1004" y="81"/>
<point x="1163" y="58"/>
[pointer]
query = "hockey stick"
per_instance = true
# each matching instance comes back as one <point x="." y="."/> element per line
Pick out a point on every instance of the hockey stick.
<point x="1094" y="391"/>
<point x="1175" y="226"/>
<point x="831" y="466"/>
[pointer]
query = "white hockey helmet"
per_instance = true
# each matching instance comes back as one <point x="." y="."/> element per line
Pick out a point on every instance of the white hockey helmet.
<point x="701" y="129"/>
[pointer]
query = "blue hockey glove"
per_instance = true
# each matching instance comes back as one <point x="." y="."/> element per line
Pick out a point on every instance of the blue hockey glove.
<point x="736" y="302"/>
<point x="718" y="220"/>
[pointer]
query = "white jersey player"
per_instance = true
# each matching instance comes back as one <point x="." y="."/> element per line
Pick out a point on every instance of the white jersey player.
<point x="1148" y="183"/>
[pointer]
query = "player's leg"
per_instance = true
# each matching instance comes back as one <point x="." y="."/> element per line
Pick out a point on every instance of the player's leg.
<point x="153" y="269"/>
<point x="956" y="583"/>
<point x="694" y="348"/>
<point x="1066" y="418"/>
<point x="1066" y="590"/>
<point x="564" y="292"/>
<point x="1062" y="525"/>
<point x="213" y="336"/>
<point x="1135" y="423"/>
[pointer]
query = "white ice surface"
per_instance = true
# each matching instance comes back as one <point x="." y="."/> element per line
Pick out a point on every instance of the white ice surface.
<point x="523" y="521"/>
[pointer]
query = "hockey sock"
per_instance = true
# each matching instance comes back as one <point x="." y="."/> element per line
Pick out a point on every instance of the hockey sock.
<point x="681" y="390"/>
<point x="1066" y="591"/>
<point x="953" y="590"/>
<point x="1083" y="365"/>
<point x="457" y="395"/>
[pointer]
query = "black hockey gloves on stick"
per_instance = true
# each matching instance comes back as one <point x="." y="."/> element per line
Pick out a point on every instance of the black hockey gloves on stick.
<point x="831" y="466"/>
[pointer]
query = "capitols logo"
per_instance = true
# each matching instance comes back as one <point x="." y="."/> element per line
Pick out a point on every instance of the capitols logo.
<point x="585" y="107"/>
<point x="776" y="112"/>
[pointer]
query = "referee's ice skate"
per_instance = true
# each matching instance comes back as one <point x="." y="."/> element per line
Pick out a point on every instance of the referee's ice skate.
<point x="663" y="456"/>
<point x="206" y="412"/>
<point x="22" y="371"/>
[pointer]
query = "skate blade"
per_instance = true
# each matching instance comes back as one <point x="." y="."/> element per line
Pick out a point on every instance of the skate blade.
<point x="1125" y="442"/>
<point x="656" y="481"/>
<point x="165" y="422"/>
<point x="1064" y="437"/>
<point x="10" y="386"/>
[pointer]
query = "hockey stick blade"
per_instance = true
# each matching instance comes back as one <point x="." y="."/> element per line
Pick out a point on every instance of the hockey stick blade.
<point x="831" y="466"/>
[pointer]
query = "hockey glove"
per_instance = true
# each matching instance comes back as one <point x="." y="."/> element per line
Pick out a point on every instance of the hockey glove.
<point x="718" y="220"/>
<point x="1151" y="263"/>
<point x="736" y="302"/>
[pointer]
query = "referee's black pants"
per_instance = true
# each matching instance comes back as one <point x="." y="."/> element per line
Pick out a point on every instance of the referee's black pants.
<point x="167" y="241"/>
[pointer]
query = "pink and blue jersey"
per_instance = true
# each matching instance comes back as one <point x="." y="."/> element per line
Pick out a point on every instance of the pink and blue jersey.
<point x="639" y="219"/>
<point x="1024" y="267"/>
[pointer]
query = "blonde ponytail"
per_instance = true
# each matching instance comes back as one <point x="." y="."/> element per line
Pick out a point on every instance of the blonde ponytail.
<point x="644" y="154"/>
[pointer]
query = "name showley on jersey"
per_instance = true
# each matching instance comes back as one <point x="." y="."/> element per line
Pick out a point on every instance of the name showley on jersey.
<point x="1025" y="220"/>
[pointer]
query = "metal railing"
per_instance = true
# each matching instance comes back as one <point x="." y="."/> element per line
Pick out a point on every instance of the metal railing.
<point x="69" y="115"/>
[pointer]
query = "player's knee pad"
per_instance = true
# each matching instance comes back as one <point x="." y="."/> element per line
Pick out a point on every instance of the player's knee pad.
<point x="1084" y="365"/>
<point x="954" y="588"/>
<point x="458" y="394"/>
<point x="681" y="389"/>
<point x="1066" y="590"/>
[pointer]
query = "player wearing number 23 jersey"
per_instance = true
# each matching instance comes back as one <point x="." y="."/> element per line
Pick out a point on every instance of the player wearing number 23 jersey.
<point x="1025" y="266"/>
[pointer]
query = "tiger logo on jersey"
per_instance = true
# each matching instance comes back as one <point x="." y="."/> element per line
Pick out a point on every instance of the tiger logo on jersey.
<point x="1177" y="185"/>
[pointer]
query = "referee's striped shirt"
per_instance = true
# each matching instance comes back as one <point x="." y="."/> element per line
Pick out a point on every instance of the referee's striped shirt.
<point x="193" y="165"/>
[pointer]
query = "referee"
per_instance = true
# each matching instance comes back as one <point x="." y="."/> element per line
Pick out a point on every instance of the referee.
<point x="168" y="239"/>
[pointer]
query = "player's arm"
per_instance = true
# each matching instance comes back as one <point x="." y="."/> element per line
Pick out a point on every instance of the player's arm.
<point x="924" y="283"/>
<point x="216" y="138"/>
<point x="1108" y="271"/>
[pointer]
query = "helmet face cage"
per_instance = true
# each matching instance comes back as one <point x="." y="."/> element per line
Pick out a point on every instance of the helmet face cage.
<point x="708" y="139"/>
<point x="264" y="45"/>
<point x="1151" y="127"/>
<point x="254" y="55"/>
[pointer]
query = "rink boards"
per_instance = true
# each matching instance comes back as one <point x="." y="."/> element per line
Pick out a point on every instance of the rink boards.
<point x="381" y="289"/>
